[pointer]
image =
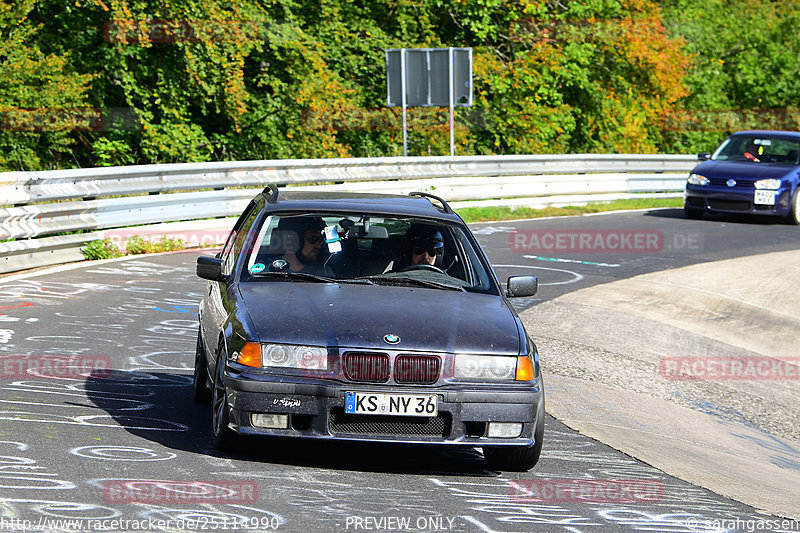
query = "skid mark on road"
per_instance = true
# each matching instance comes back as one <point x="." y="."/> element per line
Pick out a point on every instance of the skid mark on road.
<point x="575" y="276"/>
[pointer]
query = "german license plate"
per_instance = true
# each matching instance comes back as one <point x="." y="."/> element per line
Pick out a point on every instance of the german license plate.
<point x="391" y="404"/>
<point x="764" y="197"/>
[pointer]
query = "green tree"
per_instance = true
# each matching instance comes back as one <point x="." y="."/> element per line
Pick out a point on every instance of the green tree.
<point x="261" y="79"/>
<point x="744" y="70"/>
<point x="43" y="105"/>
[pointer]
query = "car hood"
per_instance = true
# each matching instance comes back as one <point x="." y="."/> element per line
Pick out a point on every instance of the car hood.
<point x="732" y="169"/>
<point x="359" y="316"/>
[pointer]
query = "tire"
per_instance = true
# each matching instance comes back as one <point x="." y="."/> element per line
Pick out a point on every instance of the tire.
<point x="221" y="435"/>
<point x="518" y="458"/>
<point x="693" y="212"/>
<point x="201" y="393"/>
<point x="794" y="211"/>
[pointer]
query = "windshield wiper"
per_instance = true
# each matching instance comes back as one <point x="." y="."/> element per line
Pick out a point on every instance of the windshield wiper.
<point x="401" y="280"/>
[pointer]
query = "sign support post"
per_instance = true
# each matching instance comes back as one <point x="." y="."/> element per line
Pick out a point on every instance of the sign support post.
<point x="405" y="99"/>
<point x="452" y="104"/>
<point x="429" y="77"/>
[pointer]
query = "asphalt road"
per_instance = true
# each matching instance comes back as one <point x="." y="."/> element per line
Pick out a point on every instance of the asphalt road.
<point x="126" y="449"/>
<point x="673" y="240"/>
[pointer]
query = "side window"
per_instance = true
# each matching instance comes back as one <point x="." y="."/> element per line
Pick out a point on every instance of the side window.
<point x="227" y="254"/>
<point x="235" y="243"/>
<point x="474" y="271"/>
<point x="456" y="263"/>
<point x="263" y="247"/>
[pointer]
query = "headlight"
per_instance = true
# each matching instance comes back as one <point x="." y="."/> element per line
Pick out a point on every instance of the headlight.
<point x="697" y="179"/>
<point x="771" y="184"/>
<point x="291" y="356"/>
<point x="485" y="367"/>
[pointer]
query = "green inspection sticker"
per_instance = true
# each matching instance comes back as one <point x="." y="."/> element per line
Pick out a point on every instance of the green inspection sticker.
<point x="258" y="267"/>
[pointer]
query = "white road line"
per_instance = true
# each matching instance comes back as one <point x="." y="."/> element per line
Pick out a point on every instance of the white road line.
<point x="576" y="261"/>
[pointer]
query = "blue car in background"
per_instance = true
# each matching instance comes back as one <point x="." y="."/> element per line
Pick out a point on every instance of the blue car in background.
<point x="753" y="172"/>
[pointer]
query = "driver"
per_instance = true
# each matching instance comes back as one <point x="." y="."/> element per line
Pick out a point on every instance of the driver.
<point x="752" y="152"/>
<point x="424" y="244"/>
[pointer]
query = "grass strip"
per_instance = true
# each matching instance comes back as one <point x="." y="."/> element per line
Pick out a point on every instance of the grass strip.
<point x="489" y="214"/>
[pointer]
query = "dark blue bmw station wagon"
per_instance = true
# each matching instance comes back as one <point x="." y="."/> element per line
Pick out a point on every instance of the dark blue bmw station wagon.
<point x="754" y="172"/>
<point x="368" y="318"/>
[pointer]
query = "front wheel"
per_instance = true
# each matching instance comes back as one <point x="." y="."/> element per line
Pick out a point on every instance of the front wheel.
<point x="512" y="458"/>
<point x="200" y="391"/>
<point x="221" y="435"/>
<point x="794" y="212"/>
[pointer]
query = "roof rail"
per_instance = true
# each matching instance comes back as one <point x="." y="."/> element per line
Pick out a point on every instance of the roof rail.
<point x="273" y="193"/>
<point x="445" y="206"/>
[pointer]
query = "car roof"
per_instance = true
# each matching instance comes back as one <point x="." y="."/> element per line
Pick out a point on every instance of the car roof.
<point x="794" y="135"/>
<point x="389" y="204"/>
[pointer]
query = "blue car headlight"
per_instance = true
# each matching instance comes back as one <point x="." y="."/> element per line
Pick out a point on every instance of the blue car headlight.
<point x="697" y="179"/>
<point x="771" y="184"/>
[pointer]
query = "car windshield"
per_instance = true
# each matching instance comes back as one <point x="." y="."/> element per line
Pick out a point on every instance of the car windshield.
<point x="362" y="248"/>
<point x="758" y="149"/>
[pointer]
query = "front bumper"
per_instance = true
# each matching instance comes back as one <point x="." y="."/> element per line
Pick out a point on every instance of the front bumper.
<point x="725" y="199"/>
<point x="315" y="409"/>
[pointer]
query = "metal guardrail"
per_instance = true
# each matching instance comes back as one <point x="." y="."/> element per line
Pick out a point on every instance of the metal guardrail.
<point x="57" y="201"/>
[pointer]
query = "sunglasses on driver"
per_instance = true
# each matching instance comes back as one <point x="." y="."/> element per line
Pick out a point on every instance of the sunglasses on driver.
<point x="433" y="247"/>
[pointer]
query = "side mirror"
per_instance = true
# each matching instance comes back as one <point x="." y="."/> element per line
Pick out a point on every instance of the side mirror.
<point x="522" y="286"/>
<point x="210" y="268"/>
<point x="703" y="156"/>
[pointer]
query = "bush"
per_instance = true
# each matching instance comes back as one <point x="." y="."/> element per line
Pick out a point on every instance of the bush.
<point x="101" y="249"/>
<point x="138" y="245"/>
<point x="112" y="152"/>
<point x="169" y="245"/>
<point x="105" y="249"/>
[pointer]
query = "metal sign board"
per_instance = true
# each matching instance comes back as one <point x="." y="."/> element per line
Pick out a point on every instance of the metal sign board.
<point x="428" y="77"/>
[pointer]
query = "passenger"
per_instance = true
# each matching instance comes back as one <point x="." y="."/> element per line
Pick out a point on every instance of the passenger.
<point x="303" y="240"/>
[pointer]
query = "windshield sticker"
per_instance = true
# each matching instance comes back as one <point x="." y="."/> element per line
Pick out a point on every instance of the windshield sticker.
<point x="258" y="267"/>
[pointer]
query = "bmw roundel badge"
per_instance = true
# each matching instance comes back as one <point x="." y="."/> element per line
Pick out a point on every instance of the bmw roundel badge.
<point x="731" y="182"/>
<point x="391" y="339"/>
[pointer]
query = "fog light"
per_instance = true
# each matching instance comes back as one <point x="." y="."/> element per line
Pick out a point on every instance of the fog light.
<point x="505" y="430"/>
<point x="266" y="420"/>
